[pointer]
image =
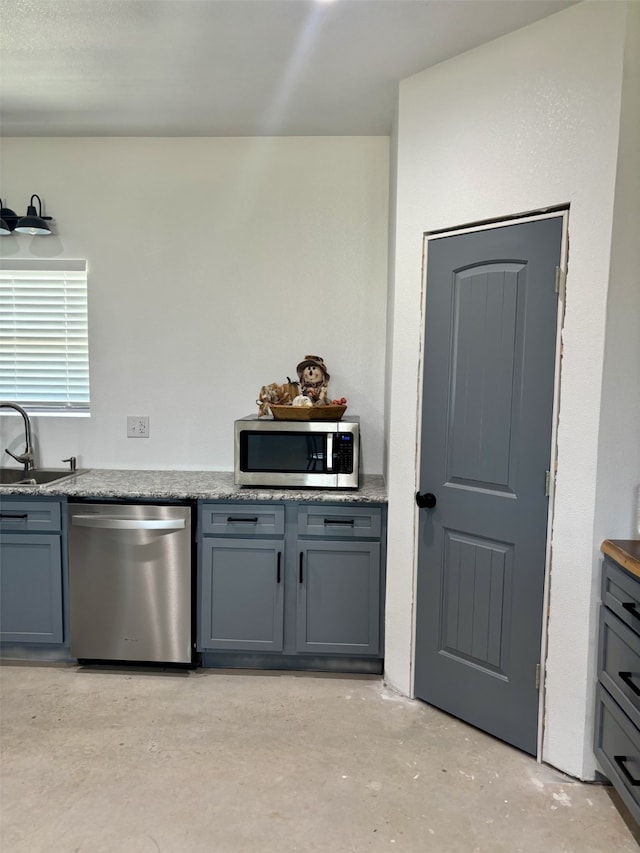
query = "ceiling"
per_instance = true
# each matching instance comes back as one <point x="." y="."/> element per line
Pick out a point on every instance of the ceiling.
<point x="229" y="67"/>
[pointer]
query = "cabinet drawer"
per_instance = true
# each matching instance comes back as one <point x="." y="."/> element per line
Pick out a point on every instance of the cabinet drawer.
<point x="619" y="663"/>
<point x="621" y="594"/>
<point x="617" y="748"/>
<point x="335" y="522"/>
<point x="242" y="519"/>
<point x="30" y="515"/>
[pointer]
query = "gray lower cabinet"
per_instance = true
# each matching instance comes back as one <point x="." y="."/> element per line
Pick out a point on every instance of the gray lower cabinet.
<point x="242" y="601"/>
<point x="338" y="608"/>
<point x="31" y="576"/>
<point x="338" y="579"/>
<point x="617" y="727"/>
<point x="241" y="577"/>
<point x="296" y="579"/>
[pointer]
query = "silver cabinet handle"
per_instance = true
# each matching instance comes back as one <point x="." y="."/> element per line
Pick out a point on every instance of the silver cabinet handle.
<point x="108" y="523"/>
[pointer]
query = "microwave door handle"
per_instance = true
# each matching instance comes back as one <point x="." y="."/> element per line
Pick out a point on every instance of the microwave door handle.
<point x="329" y="461"/>
<point x="312" y="453"/>
<point x="316" y="452"/>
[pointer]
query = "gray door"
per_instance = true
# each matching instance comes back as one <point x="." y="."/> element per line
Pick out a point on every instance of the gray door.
<point x="490" y="342"/>
<point x="242" y="605"/>
<point x="338" y="610"/>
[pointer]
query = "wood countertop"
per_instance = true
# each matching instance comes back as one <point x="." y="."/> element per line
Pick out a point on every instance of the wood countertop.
<point x="626" y="552"/>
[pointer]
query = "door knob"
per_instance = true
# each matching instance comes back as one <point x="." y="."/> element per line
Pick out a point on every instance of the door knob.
<point x="426" y="500"/>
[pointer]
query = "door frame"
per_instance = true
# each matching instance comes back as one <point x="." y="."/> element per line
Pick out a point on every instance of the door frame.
<point x="517" y="219"/>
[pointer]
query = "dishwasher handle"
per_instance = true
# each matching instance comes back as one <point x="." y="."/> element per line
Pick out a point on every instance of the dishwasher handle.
<point x="107" y="522"/>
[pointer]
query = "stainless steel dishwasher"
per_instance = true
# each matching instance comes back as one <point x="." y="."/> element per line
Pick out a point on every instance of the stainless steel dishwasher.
<point x="130" y="583"/>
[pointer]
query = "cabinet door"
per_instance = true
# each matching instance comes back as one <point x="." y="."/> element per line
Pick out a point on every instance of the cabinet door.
<point x="338" y="609"/>
<point x="31" y="588"/>
<point x="617" y="748"/>
<point x="242" y="600"/>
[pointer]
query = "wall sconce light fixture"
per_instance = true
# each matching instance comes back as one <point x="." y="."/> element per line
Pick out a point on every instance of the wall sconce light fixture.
<point x="32" y="223"/>
<point x="8" y="220"/>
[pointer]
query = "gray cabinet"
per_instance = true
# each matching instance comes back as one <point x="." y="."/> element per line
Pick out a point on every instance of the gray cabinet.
<point x="338" y="580"/>
<point x="31" y="576"/>
<point x="242" y="595"/>
<point x="617" y="728"/>
<point x="338" y="598"/>
<point x="241" y="583"/>
<point x="302" y="580"/>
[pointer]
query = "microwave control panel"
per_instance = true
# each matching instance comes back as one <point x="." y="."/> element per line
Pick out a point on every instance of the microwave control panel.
<point x="343" y="453"/>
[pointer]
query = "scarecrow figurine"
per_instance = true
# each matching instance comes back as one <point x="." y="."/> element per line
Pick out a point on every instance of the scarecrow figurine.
<point x="314" y="379"/>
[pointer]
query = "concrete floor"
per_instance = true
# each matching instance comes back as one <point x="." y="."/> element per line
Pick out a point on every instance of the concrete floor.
<point x="113" y="761"/>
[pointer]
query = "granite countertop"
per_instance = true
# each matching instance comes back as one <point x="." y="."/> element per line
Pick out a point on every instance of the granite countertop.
<point x="192" y="485"/>
<point x="626" y="552"/>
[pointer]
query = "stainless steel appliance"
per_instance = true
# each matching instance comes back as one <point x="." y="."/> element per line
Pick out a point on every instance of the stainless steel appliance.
<point x="130" y="582"/>
<point x="324" y="454"/>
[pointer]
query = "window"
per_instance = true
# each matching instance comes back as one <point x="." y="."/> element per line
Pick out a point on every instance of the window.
<point x="44" y="348"/>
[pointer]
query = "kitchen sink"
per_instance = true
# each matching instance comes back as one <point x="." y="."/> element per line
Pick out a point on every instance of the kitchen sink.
<point x="36" y="477"/>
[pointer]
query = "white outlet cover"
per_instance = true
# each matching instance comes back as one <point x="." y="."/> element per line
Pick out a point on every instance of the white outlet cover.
<point x="137" y="426"/>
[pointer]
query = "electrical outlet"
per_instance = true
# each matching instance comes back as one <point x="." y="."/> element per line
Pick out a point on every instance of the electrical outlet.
<point x="137" y="426"/>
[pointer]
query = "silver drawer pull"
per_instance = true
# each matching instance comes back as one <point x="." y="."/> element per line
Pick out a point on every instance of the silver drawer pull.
<point x="621" y="760"/>
<point x="626" y="677"/>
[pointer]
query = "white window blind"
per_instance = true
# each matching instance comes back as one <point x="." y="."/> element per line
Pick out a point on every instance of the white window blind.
<point x="44" y="348"/>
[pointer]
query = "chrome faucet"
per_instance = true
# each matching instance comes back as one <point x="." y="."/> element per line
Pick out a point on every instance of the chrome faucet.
<point x="27" y="458"/>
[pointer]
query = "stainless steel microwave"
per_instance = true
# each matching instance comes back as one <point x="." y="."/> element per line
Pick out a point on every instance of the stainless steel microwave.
<point x="322" y="454"/>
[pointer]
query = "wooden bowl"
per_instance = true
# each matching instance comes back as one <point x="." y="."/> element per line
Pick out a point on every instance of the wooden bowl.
<point x="307" y="413"/>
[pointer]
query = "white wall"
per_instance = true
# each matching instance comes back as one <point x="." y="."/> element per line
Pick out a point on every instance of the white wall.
<point x="215" y="265"/>
<point x="525" y="122"/>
